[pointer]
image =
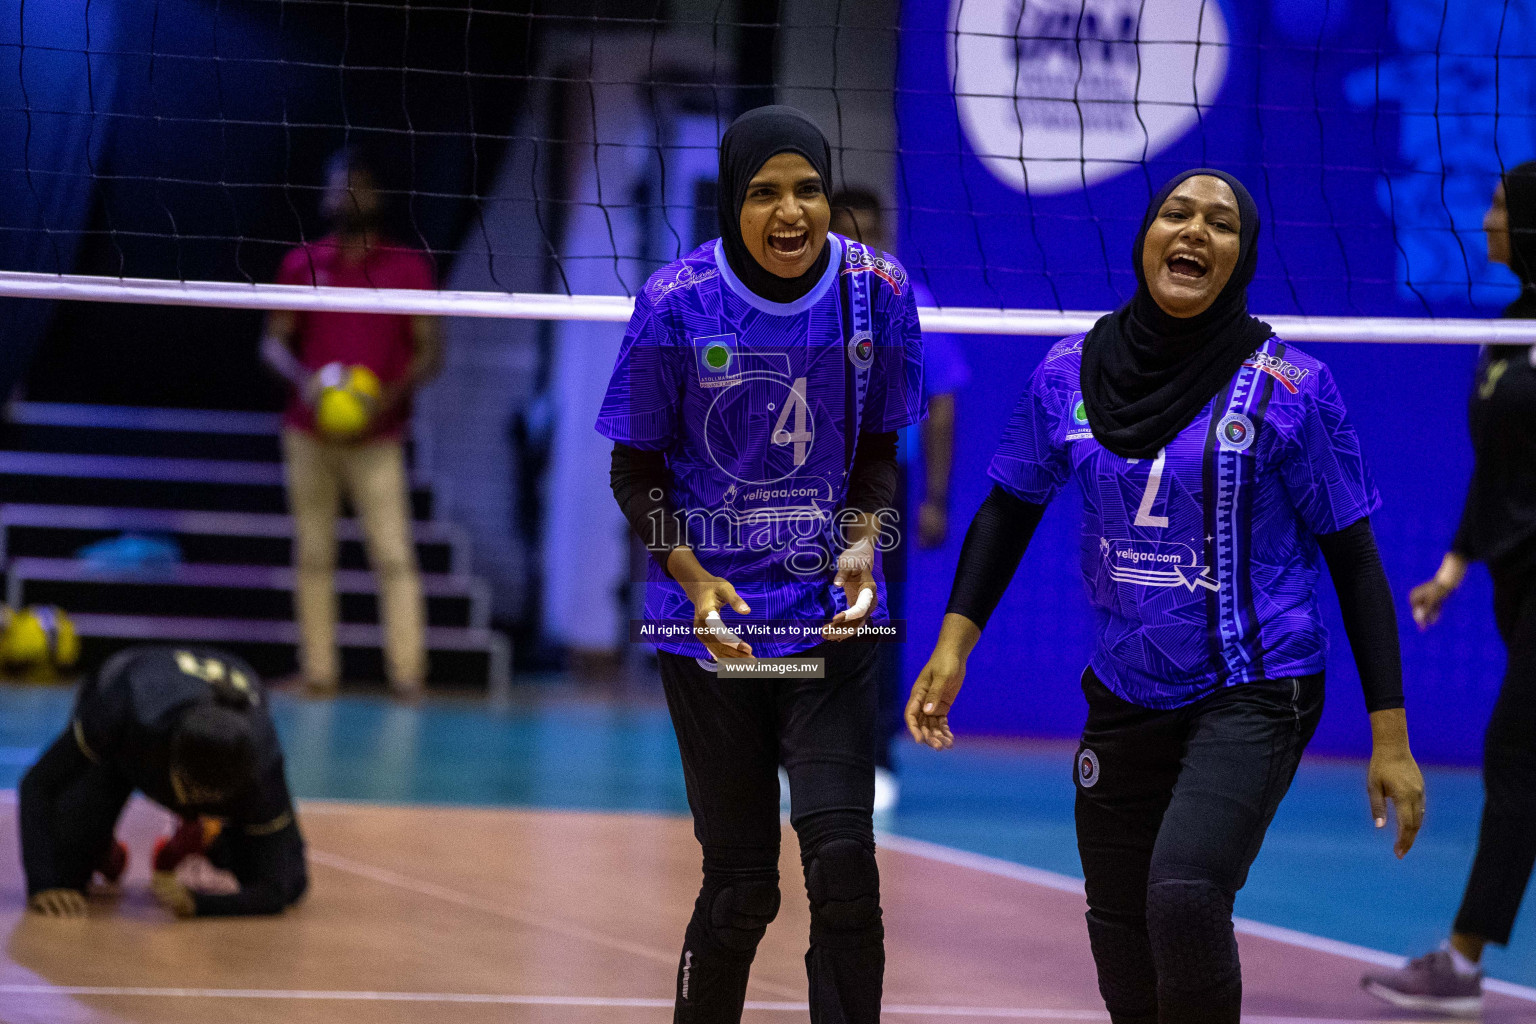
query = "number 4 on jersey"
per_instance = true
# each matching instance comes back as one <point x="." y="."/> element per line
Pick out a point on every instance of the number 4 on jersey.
<point x="802" y="435"/>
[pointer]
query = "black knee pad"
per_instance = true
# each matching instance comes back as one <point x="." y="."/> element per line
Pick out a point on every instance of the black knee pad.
<point x="844" y="886"/>
<point x="1123" y="955"/>
<point x="740" y="912"/>
<point x="1189" y="926"/>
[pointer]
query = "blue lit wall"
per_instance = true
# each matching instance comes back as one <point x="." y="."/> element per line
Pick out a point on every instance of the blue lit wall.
<point x="1372" y="158"/>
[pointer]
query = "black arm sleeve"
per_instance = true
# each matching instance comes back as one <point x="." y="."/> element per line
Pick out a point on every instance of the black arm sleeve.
<point x="872" y="480"/>
<point x="993" y="546"/>
<point x="265" y="853"/>
<point x="270" y="869"/>
<point x="36" y="799"/>
<point x="1370" y="620"/>
<point x="639" y="480"/>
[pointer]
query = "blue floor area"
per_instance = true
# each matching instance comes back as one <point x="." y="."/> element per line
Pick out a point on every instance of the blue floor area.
<point x="1323" y="870"/>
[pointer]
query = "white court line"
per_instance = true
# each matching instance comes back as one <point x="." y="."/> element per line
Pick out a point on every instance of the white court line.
<point x="424" y="888"/>
<point x="599" y="1002"/>
<point x="1242" y="925"/>
<point x="917" y="848"/>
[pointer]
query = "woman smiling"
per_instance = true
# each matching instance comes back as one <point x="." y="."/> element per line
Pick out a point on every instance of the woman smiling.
<point x="1215" y="463"/>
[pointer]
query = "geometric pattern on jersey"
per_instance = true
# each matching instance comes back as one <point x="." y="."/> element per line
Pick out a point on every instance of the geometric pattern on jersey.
<point x="758" y="406"/>
<point x="1201" y="564"/>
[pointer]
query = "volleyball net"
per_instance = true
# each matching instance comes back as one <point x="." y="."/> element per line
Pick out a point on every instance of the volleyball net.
<point x="549" y="158"/>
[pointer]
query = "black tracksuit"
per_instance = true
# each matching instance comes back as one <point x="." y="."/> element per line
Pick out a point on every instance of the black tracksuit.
<point x="1498" y="526"/>
<point x="118" y="741"/>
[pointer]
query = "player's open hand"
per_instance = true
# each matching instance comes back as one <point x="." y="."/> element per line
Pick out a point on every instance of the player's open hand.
<point x="172" y="895"/>
<point x="856" y="575"/>
<point x="932" y="695"/>
<point x="709" y="595"/>
<point x="58" y="903"/>
<point x="1395" y="776"/>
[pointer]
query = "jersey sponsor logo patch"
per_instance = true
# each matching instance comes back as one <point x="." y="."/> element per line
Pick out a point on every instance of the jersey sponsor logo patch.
<point x="862" y="261"/>
<point x="1288" y="374"/>
<point x="861" y="350"/>
<point x="718" y="361"/>
<point x="1155" y="563"/>
<point x="687" y="277"/>
<point x="1236" y="432"/>
<point x="1077" y="419"/>
<point x="1087" y="768"/>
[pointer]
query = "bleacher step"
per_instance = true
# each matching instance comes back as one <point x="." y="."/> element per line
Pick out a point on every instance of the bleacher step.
<point x="456" y="654"/>
<point x="146" y="481"/>
<point x="227" y="591"/>
<point x="250" y="538"/>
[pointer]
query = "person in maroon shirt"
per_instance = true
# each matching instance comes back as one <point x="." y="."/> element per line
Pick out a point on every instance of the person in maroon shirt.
<point x="402" y="352"/>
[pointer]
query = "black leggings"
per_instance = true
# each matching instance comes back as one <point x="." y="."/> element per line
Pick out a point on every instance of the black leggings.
<point x="68" y="809"/>
<point x="1506" y="845"/>
<point x="733" y="734"/>
<point x="1172" y="807"/>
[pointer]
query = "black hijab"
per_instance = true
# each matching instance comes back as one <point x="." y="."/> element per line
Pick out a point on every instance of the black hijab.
<point x="752" y="140"/>
<point x="1520" y="201"/>
<point x="1147" y="374"/>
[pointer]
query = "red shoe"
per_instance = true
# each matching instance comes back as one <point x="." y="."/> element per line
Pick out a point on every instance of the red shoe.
<point x="189" y="838"/>
<point x="113" y="863"/>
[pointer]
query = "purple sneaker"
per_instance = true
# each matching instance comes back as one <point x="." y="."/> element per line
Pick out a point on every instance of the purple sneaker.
<point x="1431" y="984"/>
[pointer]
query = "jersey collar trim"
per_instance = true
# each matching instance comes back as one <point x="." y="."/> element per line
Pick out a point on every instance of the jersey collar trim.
<point x="800" y="305"/>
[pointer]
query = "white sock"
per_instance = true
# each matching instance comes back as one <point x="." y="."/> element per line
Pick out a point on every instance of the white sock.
<point x="1462" y="965"/>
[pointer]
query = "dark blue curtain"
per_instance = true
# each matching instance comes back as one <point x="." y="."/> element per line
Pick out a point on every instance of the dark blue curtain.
<point x="52" y="132"/>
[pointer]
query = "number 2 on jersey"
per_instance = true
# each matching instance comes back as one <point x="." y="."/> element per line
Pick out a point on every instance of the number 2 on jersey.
<point x="801" y="435"/>
<point x="1144" y="516"/>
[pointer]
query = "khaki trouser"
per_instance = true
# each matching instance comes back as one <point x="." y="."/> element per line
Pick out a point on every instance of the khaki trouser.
<point x="374" y="477"/>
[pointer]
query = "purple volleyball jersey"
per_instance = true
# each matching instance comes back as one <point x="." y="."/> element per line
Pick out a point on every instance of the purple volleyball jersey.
<point x="758" y="406"/>
<point x="1201" y="563"/>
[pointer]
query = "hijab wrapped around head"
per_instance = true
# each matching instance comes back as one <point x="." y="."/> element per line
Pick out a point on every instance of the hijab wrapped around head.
<point x="1520" y="202"/>
<point x="752" y="140"/>
<point x="1146" y="374"/>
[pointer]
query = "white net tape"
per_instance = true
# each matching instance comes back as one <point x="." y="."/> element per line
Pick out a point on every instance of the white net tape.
<point x="617" y="309"/>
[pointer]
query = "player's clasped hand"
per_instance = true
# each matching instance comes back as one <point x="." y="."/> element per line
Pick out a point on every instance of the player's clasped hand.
<point x="856" y="575"/>
<point x="58" y="903"/>
<point x="709" y="595"/>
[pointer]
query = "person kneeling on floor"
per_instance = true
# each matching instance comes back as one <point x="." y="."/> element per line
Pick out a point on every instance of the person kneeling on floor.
<point x="190" y="728"/>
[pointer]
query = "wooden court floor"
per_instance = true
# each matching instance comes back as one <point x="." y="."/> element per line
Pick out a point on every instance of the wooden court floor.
<point x="462" y="916"/>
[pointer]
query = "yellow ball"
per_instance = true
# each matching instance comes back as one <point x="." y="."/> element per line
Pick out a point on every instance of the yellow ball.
<point x="349" y="395"/>
<point x="25" y="641"/>
<point x="39" y="637"/>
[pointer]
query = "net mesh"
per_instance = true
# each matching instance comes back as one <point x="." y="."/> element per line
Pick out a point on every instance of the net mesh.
<point x="536" y="149"/>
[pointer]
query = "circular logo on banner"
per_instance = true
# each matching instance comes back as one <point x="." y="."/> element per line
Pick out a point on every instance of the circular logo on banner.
<point x="1236" y="431"/>
<point x="861" y="349"/>
<point x="1080" y="413"/>
<point x="1087" y="768"/>
<point x="1056" y="95"/>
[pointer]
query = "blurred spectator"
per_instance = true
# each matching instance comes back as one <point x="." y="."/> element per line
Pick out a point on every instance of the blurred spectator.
<point x="353" y="375"/>
<point x="857" y="214"/>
